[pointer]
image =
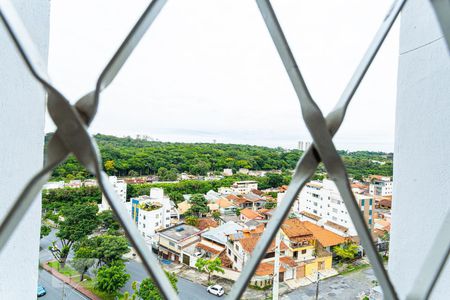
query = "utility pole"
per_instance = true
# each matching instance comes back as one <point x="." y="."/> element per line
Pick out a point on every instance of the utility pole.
<point x="276" y="267"/>
<point x="276" y="264"/>
<point x="317" y="285"/>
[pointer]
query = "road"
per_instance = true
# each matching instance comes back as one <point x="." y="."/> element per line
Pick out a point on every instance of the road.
<point x="187" y="290"/>
<point x="340" y="287"/>
<point x="56" y="289"/>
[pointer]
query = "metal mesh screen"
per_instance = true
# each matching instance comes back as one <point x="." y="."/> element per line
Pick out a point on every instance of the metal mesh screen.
<point x="71" y="136"/>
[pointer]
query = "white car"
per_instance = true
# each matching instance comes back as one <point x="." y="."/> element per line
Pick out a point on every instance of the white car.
<point x="216" y="290"/>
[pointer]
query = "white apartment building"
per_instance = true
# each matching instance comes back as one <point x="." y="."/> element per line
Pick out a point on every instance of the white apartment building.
<point x="120" y="186"/>
<point x="321" y="203"/>
<point x="380" y="186"/>
<point x="244" y="187"/>
<point x="51" y="185"/>
<point x="152" y="213"/>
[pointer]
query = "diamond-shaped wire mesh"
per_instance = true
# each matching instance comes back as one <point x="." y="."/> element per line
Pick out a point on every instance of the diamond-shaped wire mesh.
<point x="72" y="137"/>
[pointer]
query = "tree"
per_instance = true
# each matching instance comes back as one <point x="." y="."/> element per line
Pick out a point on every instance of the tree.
<point x="346" y="251"/>
<point x="166" y="175"/>
<point x="199" y="205"/>
<point x="107" y="249"/>
<point x="192" y="220"/>
<point x="238" y="211"/>
<point x="108" y="221"/>
<point x="112" y="278"/>
<point x="216" y="215"/>
<point x="274" y="180"/>
<point x="79" y="221"/>
<point x="209" y="266"/>
<point x="45" y="230"/>
<point x="149" y="291"/>
<point x="270" y="204"/>
<point x="110" y="166"/>
<point x="82" y="264"/>
<point x="133" y="173"/>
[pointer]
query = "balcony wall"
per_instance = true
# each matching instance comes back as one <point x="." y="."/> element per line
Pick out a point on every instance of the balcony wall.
<point x="422" y="147"/>
<point x="22" y="103"/>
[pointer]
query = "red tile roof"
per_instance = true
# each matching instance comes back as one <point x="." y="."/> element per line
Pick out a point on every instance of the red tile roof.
<point x="251" y="214"/>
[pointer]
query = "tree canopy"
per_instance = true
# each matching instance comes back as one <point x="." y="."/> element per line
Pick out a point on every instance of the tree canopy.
<point x="149" y="291"/>
<point x="130" y="157"/>
<point x="112" y="278"/>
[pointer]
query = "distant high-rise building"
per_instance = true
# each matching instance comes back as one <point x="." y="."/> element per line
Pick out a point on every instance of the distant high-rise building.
<point x="303" y="145"/>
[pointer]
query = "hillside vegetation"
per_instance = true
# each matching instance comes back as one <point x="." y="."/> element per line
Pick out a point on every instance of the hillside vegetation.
<point x="135" y="157"/>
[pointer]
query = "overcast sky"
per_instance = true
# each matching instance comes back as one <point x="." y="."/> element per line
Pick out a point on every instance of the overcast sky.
<point x="208" y="70"/>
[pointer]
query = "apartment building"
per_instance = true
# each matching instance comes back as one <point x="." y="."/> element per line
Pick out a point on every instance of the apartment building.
<point x="120" y="187"/>
<point x="321" y="203"/>
<point x="152" y="213"/>
<point x="380" y="186"/>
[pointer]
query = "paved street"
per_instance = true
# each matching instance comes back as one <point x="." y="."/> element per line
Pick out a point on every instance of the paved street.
<point x="187" y="289"/>
<point x="56" y="290"/>
<point x="339" y="287"/>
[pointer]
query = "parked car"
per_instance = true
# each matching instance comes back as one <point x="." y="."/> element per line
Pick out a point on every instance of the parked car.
<point x="216" y="290"/>
<point x="41" y="291"/>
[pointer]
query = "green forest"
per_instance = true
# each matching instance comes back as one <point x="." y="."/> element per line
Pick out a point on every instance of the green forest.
<point x="137" y="157"/>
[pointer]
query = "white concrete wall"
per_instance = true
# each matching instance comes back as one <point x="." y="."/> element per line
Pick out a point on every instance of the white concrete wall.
<point x="22" y="107"/>
<point x="421" y="169"/>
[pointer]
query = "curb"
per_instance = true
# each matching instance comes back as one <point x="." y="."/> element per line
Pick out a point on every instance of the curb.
<point x="69" y="281"/>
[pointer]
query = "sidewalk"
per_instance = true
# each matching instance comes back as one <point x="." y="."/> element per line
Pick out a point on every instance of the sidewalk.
<point x="69" y="281"/>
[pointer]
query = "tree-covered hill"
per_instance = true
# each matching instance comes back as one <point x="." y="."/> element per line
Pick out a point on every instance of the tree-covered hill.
<point x="133" y="157"/>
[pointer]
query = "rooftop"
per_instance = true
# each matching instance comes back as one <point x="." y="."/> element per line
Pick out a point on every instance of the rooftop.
<point x="325" y="237"/>
<point x="179" y="232"/>
<point x="294" y="228"/>
<point x="219" y="234"/>
<point x="251" y="214"/>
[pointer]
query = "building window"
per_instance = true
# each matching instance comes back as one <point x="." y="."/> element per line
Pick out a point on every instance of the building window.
<point x="172" y="244"/>
<point x="144" y="217"/>
<point x="237" y="247"/>
<point x="143" y="225"/>
<point x="362" y="202"/>
<point x="370" y="201"/>
<point x="304" y="251"/>
<point x="235" y="258"/>
<point x="229" y="251"/>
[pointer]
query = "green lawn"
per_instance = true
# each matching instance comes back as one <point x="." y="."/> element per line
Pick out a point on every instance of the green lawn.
<point x="352" y="268"/>
<point x="88" y="283"/>
<point x="68" y="271"/>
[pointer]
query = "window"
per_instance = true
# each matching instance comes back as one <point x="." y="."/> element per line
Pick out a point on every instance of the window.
<point x="362" y="202"/>
<point x="235" y="258"/>
<point x="143" y="225"/>
<point x="229" y="251"/>
<point x="172" y="244"/>
<point x="304" y="251"/>
<point x="144" y="217"/>
<point x="237" y="247"/>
